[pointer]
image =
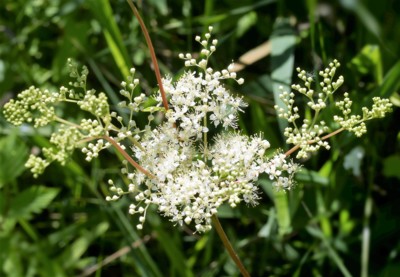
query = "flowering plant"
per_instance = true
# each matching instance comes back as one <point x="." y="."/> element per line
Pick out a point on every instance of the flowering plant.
<point x="194" y="159"/>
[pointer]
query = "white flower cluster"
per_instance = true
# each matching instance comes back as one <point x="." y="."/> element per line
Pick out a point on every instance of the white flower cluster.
<point x="189" y="186"/>
<point x="192" y="178"/>
<point x="188" y="165"/>
<point x="194" y="160"/>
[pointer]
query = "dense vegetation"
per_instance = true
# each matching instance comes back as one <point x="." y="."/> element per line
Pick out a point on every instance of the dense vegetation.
<point x="341" y="218"/>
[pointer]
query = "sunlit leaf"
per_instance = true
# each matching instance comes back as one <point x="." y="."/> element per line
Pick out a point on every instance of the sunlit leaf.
<point x="283" y="40"/>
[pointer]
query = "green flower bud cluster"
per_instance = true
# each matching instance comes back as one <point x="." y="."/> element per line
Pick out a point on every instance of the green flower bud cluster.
<point x="40" y="108"/>
<point x="32" y="106"/>
<point x="309" y="135"/>
<point x="80" y="78"/>
<point x="356" y="123"/>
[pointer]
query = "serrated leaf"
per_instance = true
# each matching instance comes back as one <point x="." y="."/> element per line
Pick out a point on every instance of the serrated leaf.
<point x="13" y="154"/>
<point x="32" y="200"/>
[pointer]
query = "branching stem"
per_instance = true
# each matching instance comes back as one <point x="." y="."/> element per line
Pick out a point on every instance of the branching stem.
<point x="295" y="148"/>
<point x="127" y="157"/>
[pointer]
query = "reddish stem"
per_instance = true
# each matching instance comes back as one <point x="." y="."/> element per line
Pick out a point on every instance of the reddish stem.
<point x="152" y="53"/>
<point x="128" y="158"/>
<point x="294" y="148"/>
<point x="228" y="246"/>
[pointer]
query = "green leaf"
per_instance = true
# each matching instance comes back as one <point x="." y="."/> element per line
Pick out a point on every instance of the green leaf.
<point x="309" y="176"/>
<point x="311" y="7"/>
<point x="316" y="232"/>
<point x="266" y="230"/>
<point x="245" y="23"/>
<point x="13" y="155"/>
<point x="369" y="61"/>
<point x="104" y="14"/>
<point x="32" y="200"/>
<point x="346" y="223"/>
<point x="209" y="18"/>
<point x="391" y="166"/>
<point x="390" y="83"/>
<point x="364" y="15"/>
<point x="161" y="5"/>
<point x="283" y="40"/>
<point x="395" y="99"/>
<point x="282" y="212"/>
<point x="76" y="249"/>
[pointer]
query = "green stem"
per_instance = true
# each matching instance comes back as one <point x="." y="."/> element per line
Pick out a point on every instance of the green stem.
<point x="314" y="119"/>
<point x="366" y="232"/>
<point x="152" y="53"/>
<point x="228" y="246"/>
<point x="66" y="122"/>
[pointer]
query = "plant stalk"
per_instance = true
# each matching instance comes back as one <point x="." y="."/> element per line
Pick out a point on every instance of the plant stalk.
<point x="228" y="246"/>
<point x="128" y="158"/>
<point x="214" y="218"/>
<point x="296" y="147"/>
<point x="152" y="53"/>
<point x="366" y="232"/>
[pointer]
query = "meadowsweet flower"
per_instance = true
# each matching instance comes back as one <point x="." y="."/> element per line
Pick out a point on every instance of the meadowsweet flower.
<point x="191" y="177"/>
<point x="183" y="168"/>
<point x="189" y="187"/>
<point x="184" y="172"/>
<point x="281" y="171"/>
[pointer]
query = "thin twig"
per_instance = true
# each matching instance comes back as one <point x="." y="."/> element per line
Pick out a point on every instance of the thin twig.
<point x="295" y="148"/>
<point x="128" y="158"/>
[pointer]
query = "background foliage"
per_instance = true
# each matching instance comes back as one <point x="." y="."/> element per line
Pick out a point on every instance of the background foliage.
<point x="342" y="218"/>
